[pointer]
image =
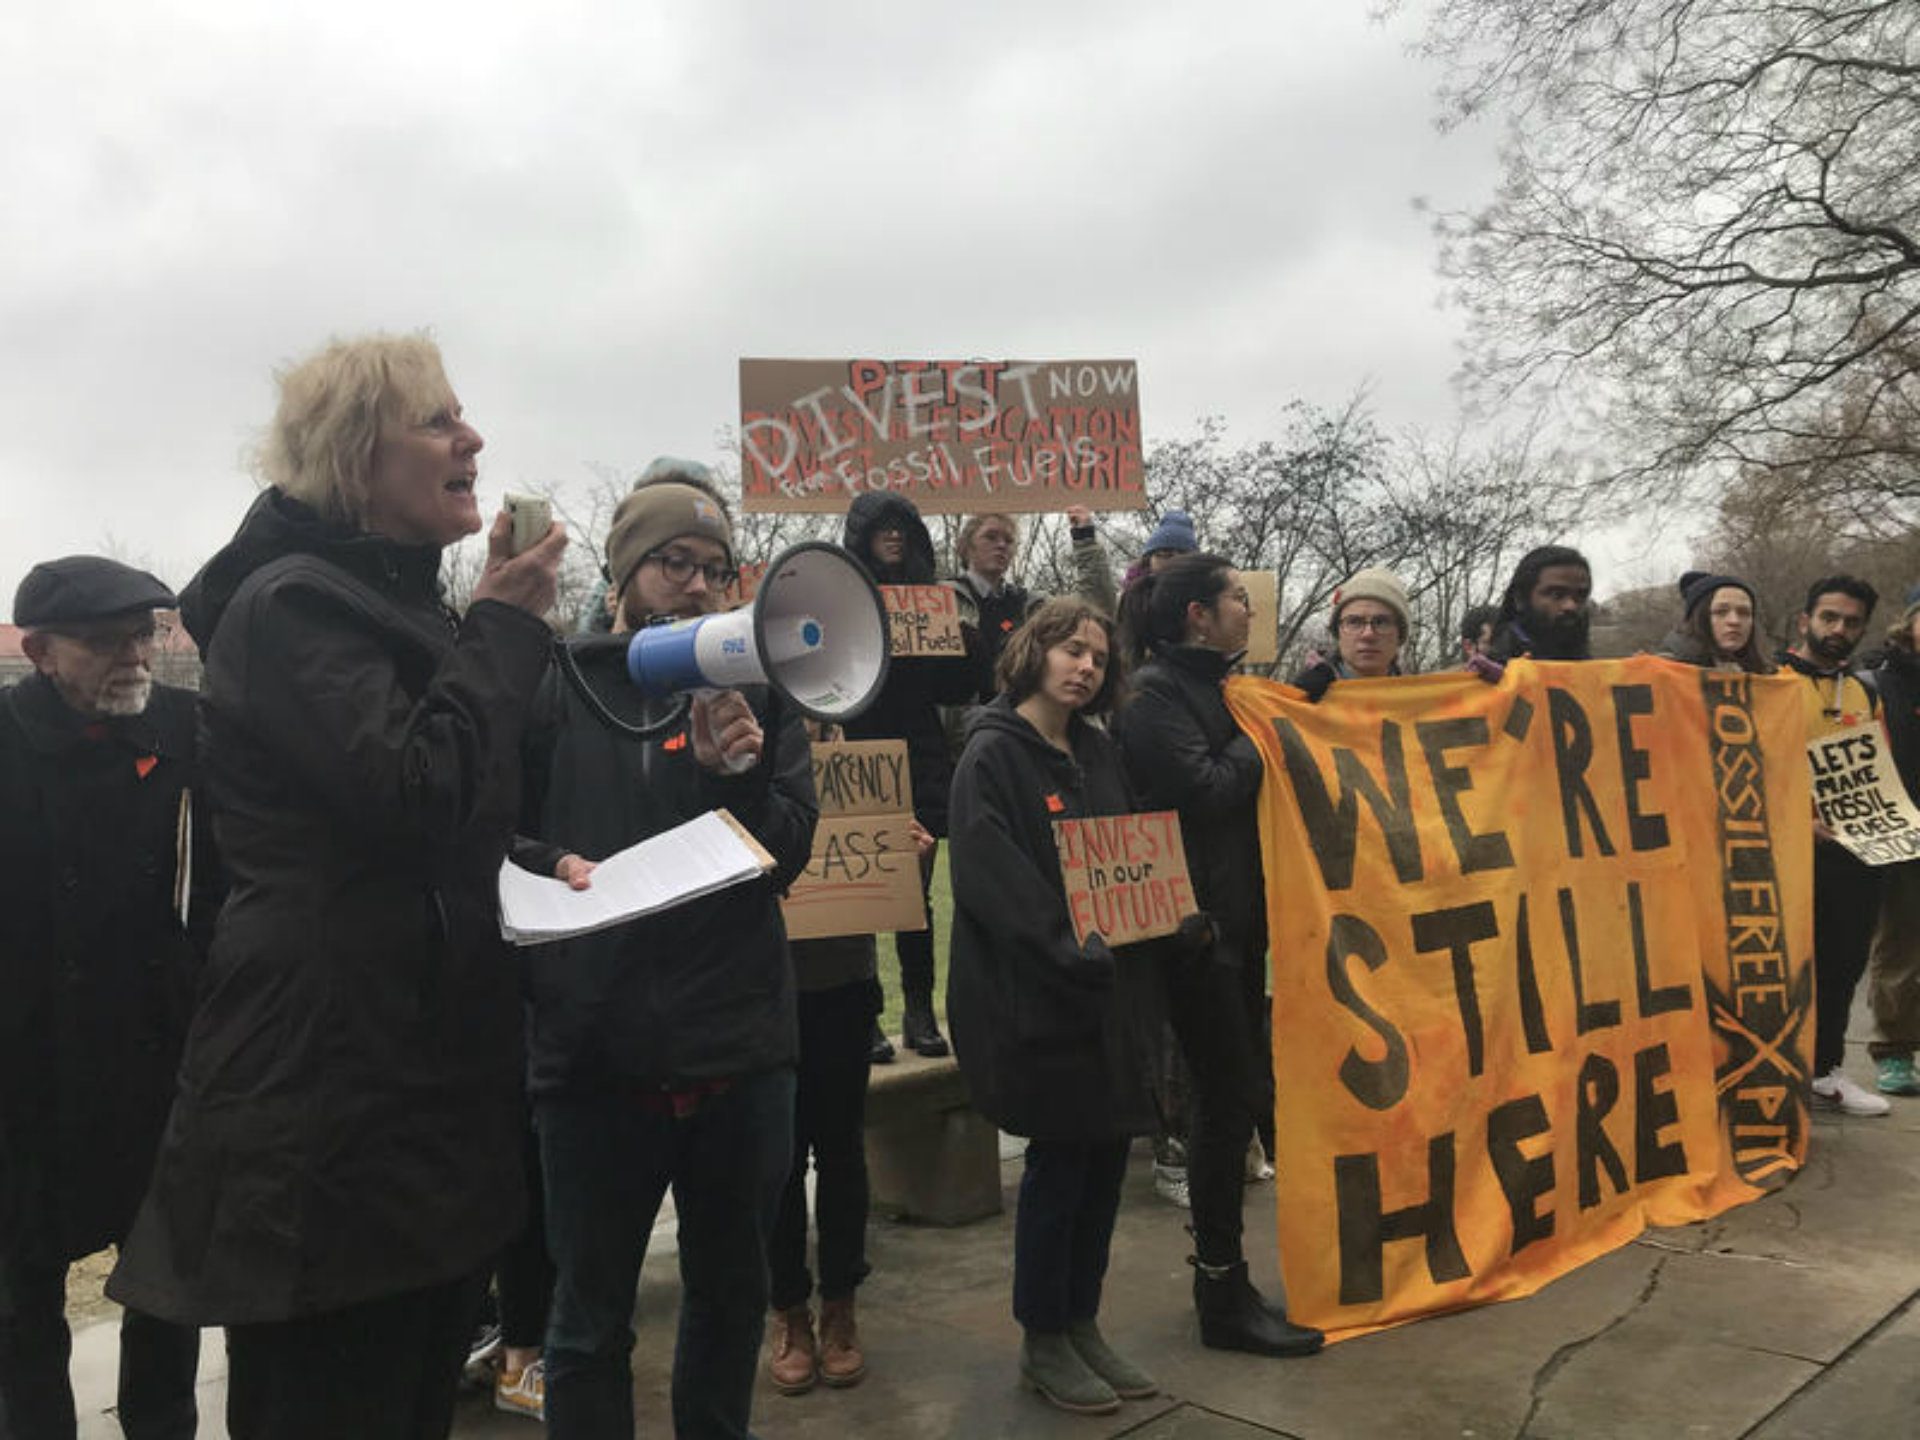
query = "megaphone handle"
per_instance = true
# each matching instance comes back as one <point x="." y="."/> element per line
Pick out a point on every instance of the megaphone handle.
<point x="732" y="764"/>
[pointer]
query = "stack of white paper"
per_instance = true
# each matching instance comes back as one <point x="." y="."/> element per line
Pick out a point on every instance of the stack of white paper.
<point x="669" y="869"/>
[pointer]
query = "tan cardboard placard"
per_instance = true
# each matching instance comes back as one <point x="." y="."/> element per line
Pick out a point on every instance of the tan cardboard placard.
<point x="863" y="877"/>
<point x="923" y="620"/>
<point x="953" y="436"/>
<point x="1126" y="875"/>
<point x="1263" y="595"/>
<point x="1860" y="797"/>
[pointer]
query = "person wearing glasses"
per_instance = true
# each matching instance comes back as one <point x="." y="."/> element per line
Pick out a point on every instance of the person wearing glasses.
<point x="662" y="1052"/>
<point x="111" y="894"/>
<point x="1370" y="621"/>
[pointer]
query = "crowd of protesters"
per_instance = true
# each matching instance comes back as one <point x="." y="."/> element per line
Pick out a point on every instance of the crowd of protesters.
<point x="333" y="1112"/>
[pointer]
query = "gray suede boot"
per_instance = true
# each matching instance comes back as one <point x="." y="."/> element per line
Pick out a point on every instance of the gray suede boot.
<point x="1052" y="1366"/>
<point x="1128" y="1380"/>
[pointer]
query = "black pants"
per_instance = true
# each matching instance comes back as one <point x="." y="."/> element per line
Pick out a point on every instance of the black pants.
<point x="158" y="1361"/>
<point x="525" y="1272"/>
<point x="1213" y="1017"/>
<point x="385" y="1369"/>
<point x="1846" y="907"/>
<point x="1063" y="1230"/>
<point x="915" y="947"/>
<point x="829" y="1120"/>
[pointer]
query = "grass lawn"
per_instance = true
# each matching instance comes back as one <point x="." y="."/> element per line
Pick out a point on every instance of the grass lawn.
<point x="890" y="963"/>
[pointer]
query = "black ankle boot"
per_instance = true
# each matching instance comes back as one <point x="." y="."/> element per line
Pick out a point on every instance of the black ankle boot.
<point x="879" y="1047"/>
<point x="921" y="1031"/>
<point x="1233" y="1316"/>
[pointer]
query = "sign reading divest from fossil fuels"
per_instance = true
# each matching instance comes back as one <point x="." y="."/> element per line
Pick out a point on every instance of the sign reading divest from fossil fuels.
<point x="950" y="435"/>
<point x="1540" y="970"/>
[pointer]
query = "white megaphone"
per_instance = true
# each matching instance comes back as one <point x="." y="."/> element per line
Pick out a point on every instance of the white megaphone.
<point x="816" y="634"/>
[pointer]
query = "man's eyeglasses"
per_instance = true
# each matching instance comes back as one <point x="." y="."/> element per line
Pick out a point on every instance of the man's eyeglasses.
<point x="1354" y="624"/>
<point x="679" y="569"/>
<point x="111" y="642"/>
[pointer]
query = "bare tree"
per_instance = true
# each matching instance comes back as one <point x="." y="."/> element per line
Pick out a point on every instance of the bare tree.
<point x="1707" y="239"/>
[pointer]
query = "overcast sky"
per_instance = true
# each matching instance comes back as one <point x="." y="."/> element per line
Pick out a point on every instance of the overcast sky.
<point x="598" y="208"/>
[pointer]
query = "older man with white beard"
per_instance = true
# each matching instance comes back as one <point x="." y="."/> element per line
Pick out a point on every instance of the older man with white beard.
<point x="111" y="889"/>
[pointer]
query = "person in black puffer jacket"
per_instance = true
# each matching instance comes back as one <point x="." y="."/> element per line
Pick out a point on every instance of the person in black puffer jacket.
<point x="1188" y="623"/>
<point x="887" y="535"/>
<point x="343" y="1158"/>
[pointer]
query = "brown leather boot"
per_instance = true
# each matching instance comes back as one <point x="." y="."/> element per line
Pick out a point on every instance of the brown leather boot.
<point x="794" y="1366"/>
<point x="841" y="1363"/>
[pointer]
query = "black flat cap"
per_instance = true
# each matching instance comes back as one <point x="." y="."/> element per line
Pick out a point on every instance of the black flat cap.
<point x="85" y="587"/>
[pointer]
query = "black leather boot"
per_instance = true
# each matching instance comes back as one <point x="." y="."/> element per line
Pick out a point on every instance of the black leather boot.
<point x="920" y="1030"/>
<point x="1234" y="1316"/>
<point x="879" y="1048"/>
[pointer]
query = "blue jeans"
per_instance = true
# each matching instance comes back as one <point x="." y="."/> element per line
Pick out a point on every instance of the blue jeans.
<point x="608" y="1161"/>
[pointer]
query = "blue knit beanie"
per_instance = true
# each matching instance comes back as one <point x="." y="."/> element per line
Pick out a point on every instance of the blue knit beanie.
<point x="1175" y="533"/>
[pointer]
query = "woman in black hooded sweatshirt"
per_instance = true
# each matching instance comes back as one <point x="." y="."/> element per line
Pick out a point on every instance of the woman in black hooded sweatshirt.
<point x="1185" y="627"/>
<point x="891" y="540"/>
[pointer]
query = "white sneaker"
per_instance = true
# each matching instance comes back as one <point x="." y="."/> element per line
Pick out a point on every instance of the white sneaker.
<point x="1836" y="1087"/>
<point x="1257" y="1167"/>
<point x="1170" y="1184"/>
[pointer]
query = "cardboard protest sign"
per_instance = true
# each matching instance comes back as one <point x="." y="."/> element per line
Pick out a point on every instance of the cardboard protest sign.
<point x="1859" y="795"/>
<point x="923" y="620"/>
<point x="864" y="874"/>
<point x="1263" y="597"/>
<point x="950" y="435"/>
<point x="1540" y="966"/>
<point x="1126" y="875"/>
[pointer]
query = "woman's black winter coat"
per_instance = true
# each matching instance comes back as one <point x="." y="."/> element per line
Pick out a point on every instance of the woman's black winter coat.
<point x="350" y="1117"/>
<point x="1185" y="752"/>
<point x="1054" y="1043"/>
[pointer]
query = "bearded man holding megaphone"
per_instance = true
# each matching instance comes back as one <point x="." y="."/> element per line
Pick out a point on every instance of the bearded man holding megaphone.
<point x="662" y="1051"/>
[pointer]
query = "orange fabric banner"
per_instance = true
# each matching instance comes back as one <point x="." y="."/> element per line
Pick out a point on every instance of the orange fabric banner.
<point x="1540" y="970"/>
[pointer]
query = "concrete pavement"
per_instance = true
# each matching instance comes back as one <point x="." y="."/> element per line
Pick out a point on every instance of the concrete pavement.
<point x="1794" y="1318"/>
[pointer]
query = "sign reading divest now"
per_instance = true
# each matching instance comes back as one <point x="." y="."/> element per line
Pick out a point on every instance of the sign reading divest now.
<point x="864" y="874"/>
<point x="950" y="435"/>
<point x="1860" y="797"/>
<point x="1126" y="875"/>
<point x="1540" y="970"/>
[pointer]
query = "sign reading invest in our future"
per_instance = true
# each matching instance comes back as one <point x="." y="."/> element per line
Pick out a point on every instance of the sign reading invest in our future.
<point x="950" y="435"/>
<point x="1540" y="970"/>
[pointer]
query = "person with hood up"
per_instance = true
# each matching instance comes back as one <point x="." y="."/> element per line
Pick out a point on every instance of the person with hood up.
<point x="1186" y="626"/>
<point x="1718" y="629"/>
<point x="343" y="1158"/>
<point x="886" y="534"/>
<point x="1053" y="1034"/>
